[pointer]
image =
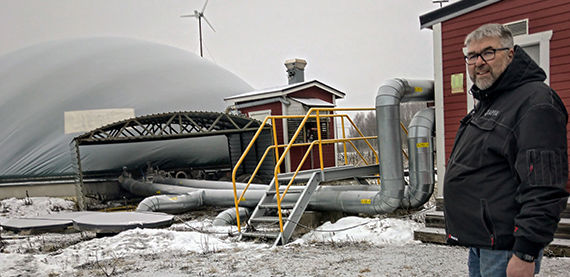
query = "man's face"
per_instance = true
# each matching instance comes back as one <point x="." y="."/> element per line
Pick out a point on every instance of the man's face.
<point x="485" y="73"/>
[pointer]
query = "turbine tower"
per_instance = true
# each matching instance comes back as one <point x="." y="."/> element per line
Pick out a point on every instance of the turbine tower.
<point x="199" y="15"/>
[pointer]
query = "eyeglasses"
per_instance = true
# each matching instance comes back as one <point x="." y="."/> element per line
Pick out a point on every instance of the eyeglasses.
<point x="486" y="55"/>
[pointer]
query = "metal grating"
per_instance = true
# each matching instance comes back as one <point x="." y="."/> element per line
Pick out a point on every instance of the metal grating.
<point x="518" y="28"/>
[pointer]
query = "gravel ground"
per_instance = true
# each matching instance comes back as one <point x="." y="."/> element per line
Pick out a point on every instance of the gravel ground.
<point x="347" y="259"/>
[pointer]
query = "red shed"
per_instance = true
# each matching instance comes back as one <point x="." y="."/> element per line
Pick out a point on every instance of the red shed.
<point x="541" y="27"/>
<point x="296" y="98"/>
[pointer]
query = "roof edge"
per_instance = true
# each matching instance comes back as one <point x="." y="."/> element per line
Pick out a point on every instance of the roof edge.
<point x="451" y="11"/>
<point x="282" y="91"/>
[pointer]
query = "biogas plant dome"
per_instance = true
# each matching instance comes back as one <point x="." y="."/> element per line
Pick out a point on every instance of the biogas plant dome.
<point x="45" y="88"/>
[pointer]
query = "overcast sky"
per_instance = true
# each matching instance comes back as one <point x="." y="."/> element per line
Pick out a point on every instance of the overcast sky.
<point x="352" y="45"/>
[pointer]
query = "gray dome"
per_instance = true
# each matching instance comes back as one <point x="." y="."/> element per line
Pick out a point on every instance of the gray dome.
<point x="38" y="84"/>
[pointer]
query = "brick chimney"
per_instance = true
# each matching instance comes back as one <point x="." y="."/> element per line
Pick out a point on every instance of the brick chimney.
<point x="296" y="70"/>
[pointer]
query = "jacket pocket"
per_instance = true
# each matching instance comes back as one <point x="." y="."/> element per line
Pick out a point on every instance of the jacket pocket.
<point x="469" y="150"/>
<point x="487" y="221"/>
<point x="545" y="167"/>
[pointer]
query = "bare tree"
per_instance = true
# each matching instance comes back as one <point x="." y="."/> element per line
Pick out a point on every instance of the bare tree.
<point x="366" y="123"/>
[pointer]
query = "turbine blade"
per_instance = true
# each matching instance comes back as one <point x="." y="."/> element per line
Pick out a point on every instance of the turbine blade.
<point x="208" y="23"/>
<point x="188" y="15"/>
<point x="204" y="8"/>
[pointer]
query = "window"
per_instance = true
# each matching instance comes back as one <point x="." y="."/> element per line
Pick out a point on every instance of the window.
<point x="260" y="115"/>
<point x="309" y="132"/>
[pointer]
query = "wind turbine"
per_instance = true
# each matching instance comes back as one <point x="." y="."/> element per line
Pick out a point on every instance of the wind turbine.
<point x="200" y="15"/>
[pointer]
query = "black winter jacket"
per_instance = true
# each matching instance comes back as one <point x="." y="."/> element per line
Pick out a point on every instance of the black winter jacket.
<point x="505" y="180"/>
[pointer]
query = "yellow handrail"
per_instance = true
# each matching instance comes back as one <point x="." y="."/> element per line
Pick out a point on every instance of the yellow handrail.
<point x="280" y="157"/>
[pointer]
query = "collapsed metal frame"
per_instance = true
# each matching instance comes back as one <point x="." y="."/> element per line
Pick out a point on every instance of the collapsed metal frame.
<point x="156" y="127"/>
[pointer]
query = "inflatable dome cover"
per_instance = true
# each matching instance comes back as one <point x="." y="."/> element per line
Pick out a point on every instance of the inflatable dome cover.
<point x="55" y="91"/>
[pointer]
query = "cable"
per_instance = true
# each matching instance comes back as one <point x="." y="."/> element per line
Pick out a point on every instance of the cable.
<point x="203" y="231"/>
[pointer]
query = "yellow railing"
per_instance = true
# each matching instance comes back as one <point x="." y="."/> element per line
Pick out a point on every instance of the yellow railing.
<point x="280" y="158"/>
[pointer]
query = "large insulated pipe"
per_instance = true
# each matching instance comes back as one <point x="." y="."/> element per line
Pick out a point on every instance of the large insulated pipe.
<point x="388" y="100"/>
<point x="206" y="184"/>
<point x="172" y="203"/>
<point x="228" y="217"/>
<point x="420" y="149"/>
<point x="350" y="198"/>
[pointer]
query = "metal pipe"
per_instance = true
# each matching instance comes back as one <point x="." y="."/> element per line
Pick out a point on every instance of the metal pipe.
<point x="388" y="100"/>
<point x="324" y="198"/>
<point x="228" y="217"/>
<point x="172" y="203"/>
<point x="420" y="147"/>
<point x="206" y="184"/>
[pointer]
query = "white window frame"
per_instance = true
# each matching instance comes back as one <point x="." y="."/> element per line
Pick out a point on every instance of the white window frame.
<point x="259" y="114"/>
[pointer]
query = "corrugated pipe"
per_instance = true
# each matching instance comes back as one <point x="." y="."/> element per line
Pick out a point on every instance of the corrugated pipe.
<point x="348" y="198"/>
<point x="420" y="149"/>
<point x="228" y="217"/>
<point x="388" y="100"/>
<point x="172" y="203"/>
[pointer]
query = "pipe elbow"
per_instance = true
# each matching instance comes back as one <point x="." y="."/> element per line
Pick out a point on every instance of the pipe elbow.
<point x="390" y="93"/>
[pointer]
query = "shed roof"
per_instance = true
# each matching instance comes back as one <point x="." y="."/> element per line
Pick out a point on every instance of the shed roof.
<point x="451" y="11"/>
<point x="283" y="90"/>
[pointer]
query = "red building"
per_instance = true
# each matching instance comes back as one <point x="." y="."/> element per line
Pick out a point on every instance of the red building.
<point x="541" y="27"/>
<point x="296" y="98"/>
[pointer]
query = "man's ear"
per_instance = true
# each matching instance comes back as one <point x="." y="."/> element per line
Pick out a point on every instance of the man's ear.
<point x="511" y="53"/>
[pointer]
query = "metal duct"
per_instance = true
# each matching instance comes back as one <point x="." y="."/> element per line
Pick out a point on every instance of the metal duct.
<point x="172" y="203"/>
<point x="228" y="217"/>
<point x="420" y="149"/>
<point x="206" y="184"/>
<point x="146" y="188"/>
<point x="388" y="99"/>
<point x="348" y="198"/>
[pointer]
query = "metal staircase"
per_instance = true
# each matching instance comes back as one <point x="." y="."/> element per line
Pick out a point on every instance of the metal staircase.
<point x="264" y="221"/>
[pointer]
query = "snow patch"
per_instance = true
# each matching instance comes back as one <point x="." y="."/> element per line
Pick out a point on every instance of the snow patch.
<point x="376" y="231"/>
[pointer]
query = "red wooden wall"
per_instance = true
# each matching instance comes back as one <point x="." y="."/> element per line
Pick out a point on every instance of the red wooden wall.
<point x="297" y="153"/>
<point x="542" y="15"/>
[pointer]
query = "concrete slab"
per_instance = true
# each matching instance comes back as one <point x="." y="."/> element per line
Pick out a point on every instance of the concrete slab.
<point x="108" y="223"/>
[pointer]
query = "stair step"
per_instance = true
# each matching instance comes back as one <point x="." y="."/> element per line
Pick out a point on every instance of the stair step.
<point x="563" y="230"/>
<point x="271" y="235"/>
<point x="436" y="219"/>
<point x="265" y="219"/>
<point x="430" y="235"/>
<point x="566" y="212"/>
<point x="291" y="190"/>
<point x="557" y="248"/>
<point x="274" y="206"/>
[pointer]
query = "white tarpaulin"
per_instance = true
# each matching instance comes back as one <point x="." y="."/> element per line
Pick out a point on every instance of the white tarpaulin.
<point x="39" y="84"/>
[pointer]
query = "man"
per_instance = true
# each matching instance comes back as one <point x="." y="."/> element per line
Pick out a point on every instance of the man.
<point x="506" y="176"/>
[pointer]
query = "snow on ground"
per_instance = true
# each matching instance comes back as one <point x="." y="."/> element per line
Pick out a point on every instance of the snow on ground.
<point x="352" y="246"/>
<point x="34" y="206"/>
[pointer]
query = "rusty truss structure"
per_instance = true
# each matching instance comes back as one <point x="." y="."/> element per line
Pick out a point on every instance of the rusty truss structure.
<point x="173" y="125"/>
<point x="155" y="127"/>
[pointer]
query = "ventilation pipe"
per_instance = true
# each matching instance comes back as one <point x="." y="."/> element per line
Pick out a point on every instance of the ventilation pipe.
<point x="172" y="203"/>
<point x="420" y="145"/>
<point x="206" y="184"/>
<point x="228" y="217"/>
<point x="388" y="100"/>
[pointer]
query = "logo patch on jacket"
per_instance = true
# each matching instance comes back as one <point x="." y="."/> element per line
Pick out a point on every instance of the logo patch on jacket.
<point x="492" y="114"/>
<point x="449" y="236"/>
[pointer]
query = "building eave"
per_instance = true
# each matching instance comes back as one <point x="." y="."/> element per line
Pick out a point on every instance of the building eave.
<point x="451" y="11"/>
<point x="284" y="91"/>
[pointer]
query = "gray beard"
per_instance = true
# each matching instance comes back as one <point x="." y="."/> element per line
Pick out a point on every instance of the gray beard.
<point x="485" y="83"/>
